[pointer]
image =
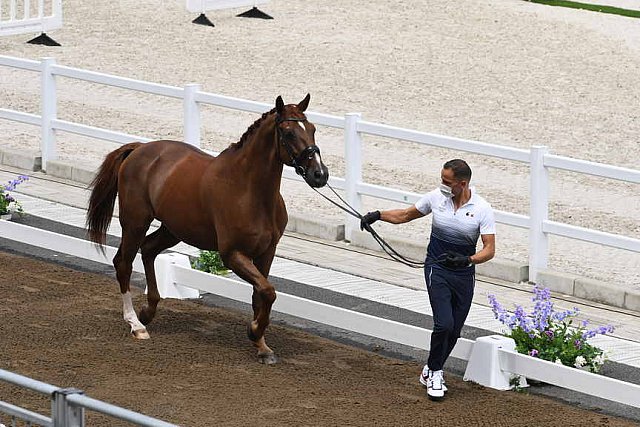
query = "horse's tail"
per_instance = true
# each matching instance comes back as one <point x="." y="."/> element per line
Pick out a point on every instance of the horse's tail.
<point x="103" y="195"/>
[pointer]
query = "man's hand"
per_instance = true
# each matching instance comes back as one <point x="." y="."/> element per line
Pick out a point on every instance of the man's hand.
<point x="456" y="260"/>
<point x="369" y="219"/>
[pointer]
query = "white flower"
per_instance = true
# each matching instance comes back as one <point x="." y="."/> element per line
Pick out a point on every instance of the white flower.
<point x="580" y="362"/>
<point x="599" y="359"/>
<point x="558" y="362"/>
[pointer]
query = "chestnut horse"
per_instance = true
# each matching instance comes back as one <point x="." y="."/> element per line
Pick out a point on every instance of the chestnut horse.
<point x="230" y="203"/>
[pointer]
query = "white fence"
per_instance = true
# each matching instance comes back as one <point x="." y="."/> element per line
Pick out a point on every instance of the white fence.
<point x="20" y="18"/>
<point x="539" y="159"/>
<point x="507" y="362"/>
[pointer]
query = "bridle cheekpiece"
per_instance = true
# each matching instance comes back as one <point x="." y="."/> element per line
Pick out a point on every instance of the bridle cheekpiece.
<point x="306" y="154"/>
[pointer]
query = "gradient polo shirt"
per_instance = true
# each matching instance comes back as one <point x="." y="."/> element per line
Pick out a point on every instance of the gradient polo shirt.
<point x="455" y="230"/>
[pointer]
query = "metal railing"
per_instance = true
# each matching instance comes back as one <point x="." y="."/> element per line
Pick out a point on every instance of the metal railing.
<point x="67" y="406"/>
<point x="538" y="158"/>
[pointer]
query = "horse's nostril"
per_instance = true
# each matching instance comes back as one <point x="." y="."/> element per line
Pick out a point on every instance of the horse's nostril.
<point x="318" y="174"/>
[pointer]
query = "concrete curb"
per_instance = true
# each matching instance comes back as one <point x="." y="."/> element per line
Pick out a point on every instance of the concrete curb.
<point x="510" y="271"/>
<point x="21" y="159"/>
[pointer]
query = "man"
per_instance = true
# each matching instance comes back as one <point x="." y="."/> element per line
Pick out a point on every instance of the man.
<point x="460" y="216"/>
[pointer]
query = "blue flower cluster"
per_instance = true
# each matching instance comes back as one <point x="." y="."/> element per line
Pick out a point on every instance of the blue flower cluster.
<point x="7" y="199"/>
<point x="550" y="334"/>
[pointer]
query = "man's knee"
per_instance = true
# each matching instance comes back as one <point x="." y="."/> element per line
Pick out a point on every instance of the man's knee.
<point x="444" y="326"/>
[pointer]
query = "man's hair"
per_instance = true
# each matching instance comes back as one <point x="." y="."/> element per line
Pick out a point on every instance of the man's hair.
<point x="460" y="168"/>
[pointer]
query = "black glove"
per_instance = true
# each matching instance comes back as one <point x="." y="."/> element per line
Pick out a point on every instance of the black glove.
<point x="456" y="260"/>
<point x="369" y="219"/>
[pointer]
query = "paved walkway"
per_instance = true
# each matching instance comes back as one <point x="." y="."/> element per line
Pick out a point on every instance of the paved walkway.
<point x="356" y="272"/>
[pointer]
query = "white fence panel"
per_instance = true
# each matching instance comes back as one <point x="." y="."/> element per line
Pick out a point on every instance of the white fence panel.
<point x="201" y="6"/>
<point x="570" y="378"/>
<point x="41" y="22"/>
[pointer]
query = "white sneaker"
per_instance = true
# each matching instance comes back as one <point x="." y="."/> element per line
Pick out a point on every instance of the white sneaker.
<point x="435" y="385"/>
<point x="424" y="378"/>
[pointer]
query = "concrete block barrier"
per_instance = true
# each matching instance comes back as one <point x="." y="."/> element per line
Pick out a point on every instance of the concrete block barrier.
<point x="603" y="292"/>
<point x="21" y="159"/>
<point x="59" y="169"/>
<point x="632" y="300"/>
<point x="407" y="248"/>
<point x="563" y="283"/>
<point x="315" y="227"/>
<point x="504" y="269"/>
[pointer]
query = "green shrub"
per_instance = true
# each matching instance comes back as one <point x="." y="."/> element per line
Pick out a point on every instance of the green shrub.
<point x="210" y="262"/>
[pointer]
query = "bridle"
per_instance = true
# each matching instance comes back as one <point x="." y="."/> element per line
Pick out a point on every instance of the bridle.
<point x="306" y="154"/>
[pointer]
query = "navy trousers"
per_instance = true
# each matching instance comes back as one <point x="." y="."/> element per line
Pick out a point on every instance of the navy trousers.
<point x="450" y="295"/>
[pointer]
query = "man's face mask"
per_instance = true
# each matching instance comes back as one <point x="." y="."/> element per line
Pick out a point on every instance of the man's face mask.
<point x="446" y="190"/>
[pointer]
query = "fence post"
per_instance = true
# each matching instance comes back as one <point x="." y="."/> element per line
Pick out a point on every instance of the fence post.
<point x="48" y="111"/>
<point x="538" y="212"/>
<point x="353" y="170"/>
<point x="63" y="413"/>
<point x="191" y="114"/>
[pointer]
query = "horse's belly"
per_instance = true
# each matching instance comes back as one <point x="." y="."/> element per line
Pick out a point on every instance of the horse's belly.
<point x="204" y="238"/>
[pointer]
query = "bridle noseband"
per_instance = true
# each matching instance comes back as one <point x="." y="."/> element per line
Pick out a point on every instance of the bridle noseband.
<point x="306" y="154"/>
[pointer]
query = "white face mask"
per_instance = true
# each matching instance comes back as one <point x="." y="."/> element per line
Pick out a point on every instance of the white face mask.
<point x="446" y="191"/>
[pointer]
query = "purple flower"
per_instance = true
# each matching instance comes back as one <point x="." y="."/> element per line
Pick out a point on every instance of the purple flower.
<point x="533" y="353"/>
<point x="602" y="330"/>
<point x="549" y="333"/>
<point x="577" y="344"/>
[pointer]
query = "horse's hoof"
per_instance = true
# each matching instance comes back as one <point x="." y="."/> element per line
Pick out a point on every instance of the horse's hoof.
<point x="144" y="318"/>
<point x="268" y="359"/>
<point x="141" y="334"/>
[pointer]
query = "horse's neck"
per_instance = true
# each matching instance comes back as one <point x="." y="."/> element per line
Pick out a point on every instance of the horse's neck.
<point x="260" y="155"/>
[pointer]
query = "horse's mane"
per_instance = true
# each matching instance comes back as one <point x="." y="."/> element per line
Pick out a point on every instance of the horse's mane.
<point x="237" y="145"/>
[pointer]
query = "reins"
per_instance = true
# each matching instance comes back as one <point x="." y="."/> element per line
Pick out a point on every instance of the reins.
<point x="383" y="244"/>
<point x="310" y="151"/>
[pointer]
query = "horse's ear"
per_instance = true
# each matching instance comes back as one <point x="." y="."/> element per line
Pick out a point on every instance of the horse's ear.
<point x="279" y="105"/>
<point x="302" y="106"/>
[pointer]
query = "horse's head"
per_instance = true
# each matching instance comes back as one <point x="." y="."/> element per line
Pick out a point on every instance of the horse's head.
<point x="295" y="134"/>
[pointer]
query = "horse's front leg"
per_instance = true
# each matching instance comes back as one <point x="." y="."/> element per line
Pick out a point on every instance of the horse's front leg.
<point x="264" y="294"/>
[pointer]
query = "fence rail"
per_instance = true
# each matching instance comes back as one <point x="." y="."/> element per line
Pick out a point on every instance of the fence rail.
<point x="67" y="406"/>
<point x="538" y="158"/>
<point x="388" y="330"/>
<point x="42" y="21"/>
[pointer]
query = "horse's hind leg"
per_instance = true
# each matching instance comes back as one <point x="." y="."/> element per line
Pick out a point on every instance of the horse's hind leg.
<point x="153" y="244"/>
<point x="123" y="263"/>
<point x="264" y="294"/>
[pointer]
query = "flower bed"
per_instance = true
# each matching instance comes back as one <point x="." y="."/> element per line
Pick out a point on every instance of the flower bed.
<point x="552" y="335"/>
<point x="8" y="203"/>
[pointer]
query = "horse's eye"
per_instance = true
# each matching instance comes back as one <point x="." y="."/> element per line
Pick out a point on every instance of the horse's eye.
<point x="288" y="135"/>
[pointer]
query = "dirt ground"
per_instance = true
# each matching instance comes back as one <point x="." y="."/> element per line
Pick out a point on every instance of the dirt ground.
<point x="65" y="327"/>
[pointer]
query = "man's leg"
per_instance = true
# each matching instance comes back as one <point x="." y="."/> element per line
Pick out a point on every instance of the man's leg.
<point x="462" y="297"/>
<point x="443" y="323"/>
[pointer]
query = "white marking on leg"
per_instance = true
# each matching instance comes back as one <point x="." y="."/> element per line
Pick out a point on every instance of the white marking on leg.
<point x="130" y="314"/>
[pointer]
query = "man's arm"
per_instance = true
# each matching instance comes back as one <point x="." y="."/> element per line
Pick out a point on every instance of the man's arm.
<point x="400" y="216"/>
<point x="488" y="249"/>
